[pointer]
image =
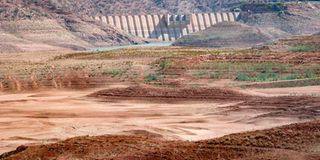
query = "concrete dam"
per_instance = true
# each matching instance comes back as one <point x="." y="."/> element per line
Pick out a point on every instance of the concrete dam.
<point x="166" y="27"/>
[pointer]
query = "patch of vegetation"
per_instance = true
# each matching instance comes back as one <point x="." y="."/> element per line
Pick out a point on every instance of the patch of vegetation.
<point x="284" y="84"/>
<point x="115" y="72"/>
<point x="310" y="74"/>
<point x="165" y="64"/>
<point x="263" y="77"/>
<point x="258" y="72"/>
<point x="302" y="48"/>
<point x="208" y="74"/>
<point x="245" y="66"/>
<point x="291" y="77"/>
<point x="243" y="77"/>
<point x="201" y="73"/>
<point x="272" y="76"/>
<point x="144" y="52"/>
<point x="152" y="77"/>
<point x="212" y="74"/>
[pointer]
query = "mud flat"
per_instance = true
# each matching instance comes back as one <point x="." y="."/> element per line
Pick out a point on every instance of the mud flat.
<point x="51" y="115"/>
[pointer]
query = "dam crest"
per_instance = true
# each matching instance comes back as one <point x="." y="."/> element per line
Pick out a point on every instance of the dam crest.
<point x="166" y="27"/>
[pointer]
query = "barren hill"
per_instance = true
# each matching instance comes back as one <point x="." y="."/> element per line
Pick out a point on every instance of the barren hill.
<point x="29" y="25"/>
<point x="33" y="25"/>
<point x="293" y="18"/>
<point x="41" y="25"/>
<point x="261" y="23"/>
<point x="228" y="34"/>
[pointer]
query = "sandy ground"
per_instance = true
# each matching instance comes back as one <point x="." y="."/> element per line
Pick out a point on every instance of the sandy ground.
<point x="291" y="91"/>
<point x="48" y="116"/>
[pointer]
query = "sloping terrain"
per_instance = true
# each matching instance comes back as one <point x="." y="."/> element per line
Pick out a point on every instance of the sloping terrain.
<point x="288" y="59"/>
<point x="115" y="7"/>
<point x="93" y="7"/>
<point x="53" y="34"/>
<point x="309" y="44"/>
<point x="228" y="34"/>
<point x="166" y="93"/>
<point x="50" y="19"/>
<point x="104" y="7"/>
<point x="32" y="27"/>
<point x="268" y="22"/>
<point x="295" y="142"/>
<point x="295" y="19"/>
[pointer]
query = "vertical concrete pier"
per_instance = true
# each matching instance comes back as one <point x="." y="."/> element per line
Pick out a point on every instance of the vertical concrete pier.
<point x="166" y="27"/>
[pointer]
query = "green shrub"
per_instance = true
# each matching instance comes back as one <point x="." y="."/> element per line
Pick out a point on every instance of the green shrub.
<point x="271" y="76"/>
<point x="165" y="64"/>
<point x="243" y="77"/>
<point x="291" y="77"/>
<point x="310" y="74"/>
<point x="302" y="48"/>
<point x="152" y="77"/>
<point x="260" y="77"/>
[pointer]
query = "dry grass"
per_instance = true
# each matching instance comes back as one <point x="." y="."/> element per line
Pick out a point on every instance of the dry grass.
<point x="159" y="64"/>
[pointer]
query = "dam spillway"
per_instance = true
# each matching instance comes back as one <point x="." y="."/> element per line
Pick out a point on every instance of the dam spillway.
<point x="166" y="27"/>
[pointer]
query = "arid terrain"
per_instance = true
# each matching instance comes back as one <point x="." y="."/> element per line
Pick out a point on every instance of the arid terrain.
<point x="263" y="24"/>
<point x="294" y="142"/>
<point x="163" y="102"/>
<point x="246" y="90"/>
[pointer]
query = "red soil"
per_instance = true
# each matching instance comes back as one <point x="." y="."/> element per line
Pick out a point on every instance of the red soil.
<point x="186" y="93"/>
<point x="294" y="142"/>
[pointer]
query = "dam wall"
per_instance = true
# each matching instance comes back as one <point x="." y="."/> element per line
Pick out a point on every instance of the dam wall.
<point x="166" y="27"/>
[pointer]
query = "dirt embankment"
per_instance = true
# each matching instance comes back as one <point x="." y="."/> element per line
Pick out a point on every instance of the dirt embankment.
<point x="154" y="93"/>
<point x="296" y="141"/>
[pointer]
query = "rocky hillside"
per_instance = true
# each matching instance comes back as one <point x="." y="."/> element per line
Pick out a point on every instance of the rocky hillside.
<point x="296" y="19"/>
<point x="37" y="8"/>
<point x="228" y="34"/>
<point x="93" y="7"/>
<point x="114" y="7"/>
<point x="31" y="25"/>
<point x="268" y="22"/>
<point x="28" y="25"/>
